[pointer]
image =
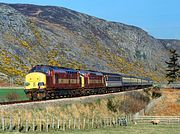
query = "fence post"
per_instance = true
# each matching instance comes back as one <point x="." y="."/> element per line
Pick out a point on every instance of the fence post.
<point x="11" y="123"/>
<point x="101" y="122"/>
<point x="53" y="122"/>
<point x="84" y="123"/>
<point x="107" y="122"/>
<point x="110" y="122"/>
<point x="69" y="123"/>
<point x="95" y="122"/>
<point x="58" y="124"/>
<point x="104" y="122"/>
<point x="3" y="123"/>
<point x="64" y="124"/>
<point x="130" y="118"/>
<point x="47" y="124"/>
<point x="74" y="123"/>
<point x="88" y="123"/>
<point x="92" y="122"/>
<point x="127" y="118"/>
<point x="98" y="122"/>
<point x="126" y="122"/>
<point x="19" y="122"/>
<point x="40" y="125"/>
<point x="79" y="122"/>
<point x="33" y="124"/>
<point x="27" y="125"/>
<point x="116" y="121"/>
<point x="113" y="121"/>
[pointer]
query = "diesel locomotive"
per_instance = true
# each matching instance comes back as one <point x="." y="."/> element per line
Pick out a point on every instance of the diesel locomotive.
<point x="45" y="82"/>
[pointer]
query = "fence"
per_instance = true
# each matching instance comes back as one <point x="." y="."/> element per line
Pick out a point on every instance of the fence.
<point x="47" y="124"/>
<point x="162" y="119"/>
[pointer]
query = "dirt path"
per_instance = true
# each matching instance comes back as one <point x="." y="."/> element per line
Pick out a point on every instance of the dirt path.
<point x="169" y="105"/>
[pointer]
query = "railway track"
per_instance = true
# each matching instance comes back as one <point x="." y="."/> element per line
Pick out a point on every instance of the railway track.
<point x="32" y="101"/>
<point x="16" y="102"/>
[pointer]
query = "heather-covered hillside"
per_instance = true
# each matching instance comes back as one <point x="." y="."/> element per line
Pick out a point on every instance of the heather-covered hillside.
<point x="31" y="34"/>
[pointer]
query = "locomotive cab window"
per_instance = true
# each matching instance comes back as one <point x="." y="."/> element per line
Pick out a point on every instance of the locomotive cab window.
<point x="42" y="69"/>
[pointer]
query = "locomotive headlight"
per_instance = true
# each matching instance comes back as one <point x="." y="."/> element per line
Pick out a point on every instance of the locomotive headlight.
<point x="41" y="84"/>
<point x="26" y="83"/>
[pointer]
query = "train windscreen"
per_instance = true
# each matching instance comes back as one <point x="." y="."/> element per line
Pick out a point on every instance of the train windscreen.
<point x="43" y="69"/>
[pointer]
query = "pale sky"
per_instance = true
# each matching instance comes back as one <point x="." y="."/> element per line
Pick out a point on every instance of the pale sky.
<point x="160" y="18"/>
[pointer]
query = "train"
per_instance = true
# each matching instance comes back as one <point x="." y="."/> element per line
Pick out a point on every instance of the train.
<point x="46" y="82"/>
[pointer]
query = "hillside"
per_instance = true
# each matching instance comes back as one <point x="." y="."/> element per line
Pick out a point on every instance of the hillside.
<point x="31" y="34"/>
<point x="169" y="105"/>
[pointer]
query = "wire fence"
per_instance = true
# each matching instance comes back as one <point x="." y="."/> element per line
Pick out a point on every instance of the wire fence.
<point x="46" y="124"/>
<point x="160" y="119"/>
<point x="54" y="123"/>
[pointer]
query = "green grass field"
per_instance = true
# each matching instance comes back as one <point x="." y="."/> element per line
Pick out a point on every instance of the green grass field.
<point x="5" y="91"/>
<point x="138" y="129"/>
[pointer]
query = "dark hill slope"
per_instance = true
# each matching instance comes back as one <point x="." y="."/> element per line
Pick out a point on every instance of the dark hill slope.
<point x="32" y="34"/>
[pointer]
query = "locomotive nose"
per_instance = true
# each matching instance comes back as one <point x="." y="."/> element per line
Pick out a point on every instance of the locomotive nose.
<point x="35" y="80"/>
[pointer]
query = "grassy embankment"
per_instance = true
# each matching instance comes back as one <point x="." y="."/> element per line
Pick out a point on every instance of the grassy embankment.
<point x="113" y="106"/>
<point x="8" y="94"/>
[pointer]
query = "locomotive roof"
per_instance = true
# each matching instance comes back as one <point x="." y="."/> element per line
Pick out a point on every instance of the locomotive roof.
<point x="90" y="72"/>
<point x="58" y="69"/>
<point x="104" y="73"/>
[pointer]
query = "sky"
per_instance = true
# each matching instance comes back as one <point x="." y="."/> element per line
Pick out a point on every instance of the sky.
<point x="160" y="18"/>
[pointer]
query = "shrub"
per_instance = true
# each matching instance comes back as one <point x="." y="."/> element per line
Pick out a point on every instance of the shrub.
<point x="12" y="96"/>
<point x="98" y="101"/>
<point x="111" y="106"/>
<point x="132" y="105"/>
<point x="156" y="94"/>
<point x="140" y="96"/>
<point x="157" y="88"/>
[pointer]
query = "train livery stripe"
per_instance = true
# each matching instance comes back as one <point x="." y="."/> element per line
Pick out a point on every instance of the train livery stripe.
<point x="68" y="81"/>
<point x="95" y="81"/>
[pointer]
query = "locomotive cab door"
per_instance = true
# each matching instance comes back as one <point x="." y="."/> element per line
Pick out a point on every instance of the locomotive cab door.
<point x="82" y="81"/>
<point x="51" y="78"/>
